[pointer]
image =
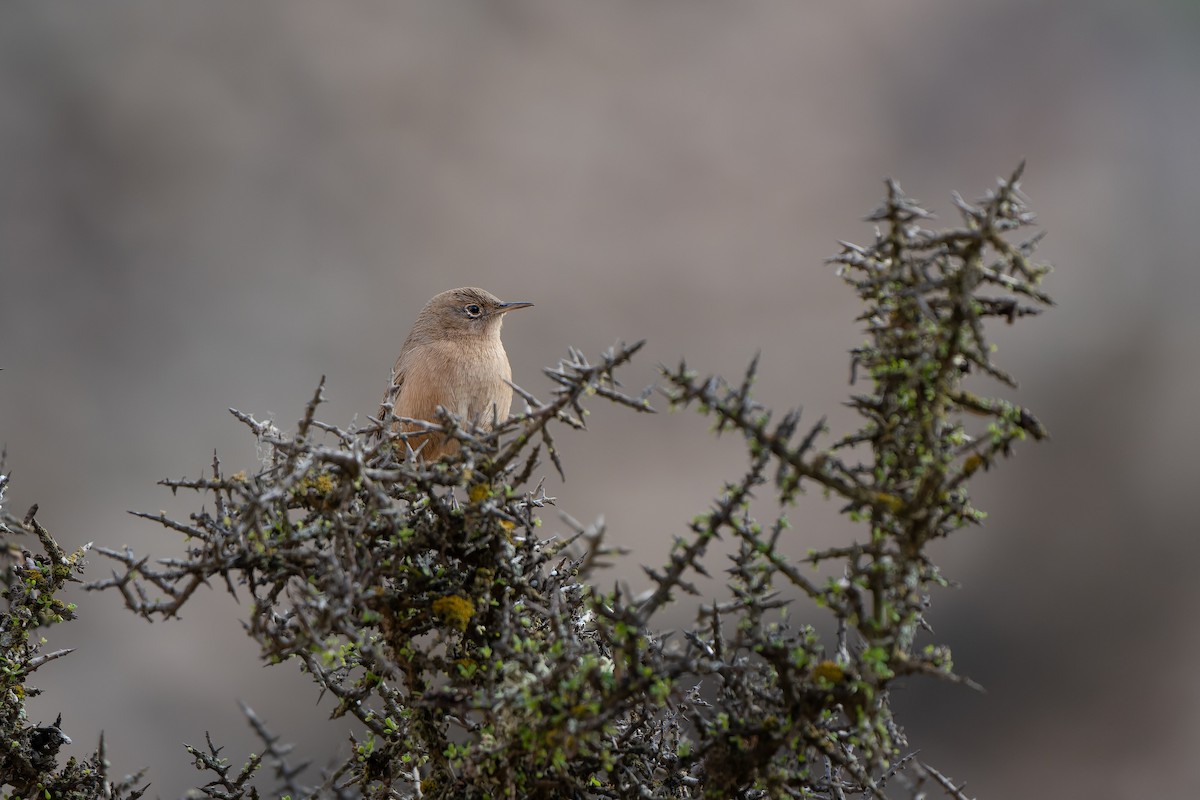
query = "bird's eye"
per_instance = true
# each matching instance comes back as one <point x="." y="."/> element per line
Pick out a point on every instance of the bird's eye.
<point x="473" y="310"/>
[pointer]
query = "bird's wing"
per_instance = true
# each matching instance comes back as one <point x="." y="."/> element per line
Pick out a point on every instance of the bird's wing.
<point x="393" y="390"/>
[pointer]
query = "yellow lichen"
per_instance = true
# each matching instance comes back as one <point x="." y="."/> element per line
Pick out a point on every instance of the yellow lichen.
<point x="454" y="611"/>
<point x="889" y="501"/>
<point x="829" y="671"/>
<point x="315" y="490"/>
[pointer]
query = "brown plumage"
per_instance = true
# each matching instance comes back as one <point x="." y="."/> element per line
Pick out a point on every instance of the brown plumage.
<point x="453" y="358"/>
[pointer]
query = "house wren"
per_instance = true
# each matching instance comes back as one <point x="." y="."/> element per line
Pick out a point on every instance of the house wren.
<point x="453" y="358"/>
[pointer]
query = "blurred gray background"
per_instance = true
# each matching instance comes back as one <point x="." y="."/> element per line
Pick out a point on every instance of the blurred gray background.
<point x="208" y="205"/>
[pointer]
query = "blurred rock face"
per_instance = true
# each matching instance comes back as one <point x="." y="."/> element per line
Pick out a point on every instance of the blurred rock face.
<point x="205" y="206"/>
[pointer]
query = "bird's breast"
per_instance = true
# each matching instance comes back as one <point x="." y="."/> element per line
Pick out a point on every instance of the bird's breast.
<point x="468" y="379"/>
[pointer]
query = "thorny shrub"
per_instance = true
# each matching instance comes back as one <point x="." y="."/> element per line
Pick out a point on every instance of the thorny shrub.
<point x="482" y="660"/>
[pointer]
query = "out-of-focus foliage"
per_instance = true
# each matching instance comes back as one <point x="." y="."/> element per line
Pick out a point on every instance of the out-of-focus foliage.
<point x="33" y="583"/>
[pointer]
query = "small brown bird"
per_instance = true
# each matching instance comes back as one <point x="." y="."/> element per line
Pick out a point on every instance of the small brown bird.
<point x="453" y="358"/>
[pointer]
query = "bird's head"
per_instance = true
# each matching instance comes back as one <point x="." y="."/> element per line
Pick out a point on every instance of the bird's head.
<point x="465" y="312"/>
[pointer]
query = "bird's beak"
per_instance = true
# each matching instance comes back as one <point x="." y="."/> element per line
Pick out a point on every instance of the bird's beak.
<point x="504" y="308"/>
